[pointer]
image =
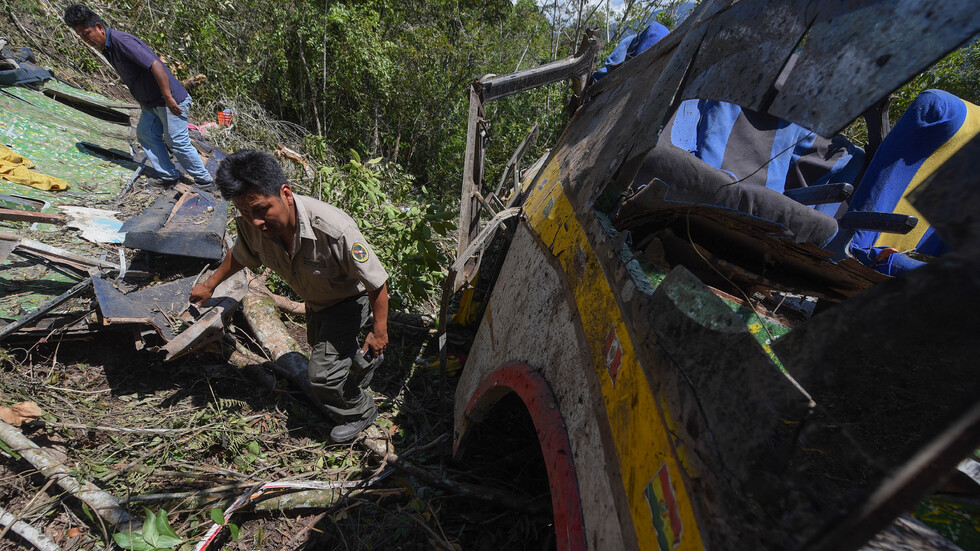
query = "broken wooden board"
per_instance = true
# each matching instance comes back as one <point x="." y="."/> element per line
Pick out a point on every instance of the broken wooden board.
<point x="183" y="221"/>
<point x="15" y="215"/>
<point x="210" y="325"/>
<point x="58" y="254"/>
<point x="158" y="306"/>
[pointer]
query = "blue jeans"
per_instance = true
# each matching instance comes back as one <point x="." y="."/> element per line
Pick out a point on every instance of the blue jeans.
<point x="159" y="128"/>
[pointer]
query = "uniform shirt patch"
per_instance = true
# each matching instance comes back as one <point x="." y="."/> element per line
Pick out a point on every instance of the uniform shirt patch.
<point x="359" y="252"/>
<point x="314" y="263"/>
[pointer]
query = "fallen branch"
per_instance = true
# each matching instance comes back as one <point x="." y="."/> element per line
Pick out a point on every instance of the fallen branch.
<point x="282" y="303"/>
<point x="173" y="496"/>
<point x="100" y="428"/>
<point x="433" y="536"/>
<point x="260" y="491"/>
<point x="28" y="532"/>
<point x="42" y="491"/>
<point x="103" y="503"/>
<point x="319" y="499"/>
<point x="288" y="358"/>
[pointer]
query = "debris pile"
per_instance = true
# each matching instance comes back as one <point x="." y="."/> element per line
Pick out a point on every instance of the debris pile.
<point x="182" y="419"/>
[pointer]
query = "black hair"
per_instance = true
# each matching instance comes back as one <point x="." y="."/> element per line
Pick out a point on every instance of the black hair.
<point x="249" y="170"/>
<point x="79" y="14"/>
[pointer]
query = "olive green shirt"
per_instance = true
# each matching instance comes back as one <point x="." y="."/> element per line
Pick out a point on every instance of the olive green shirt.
<point x="331" y="260"/>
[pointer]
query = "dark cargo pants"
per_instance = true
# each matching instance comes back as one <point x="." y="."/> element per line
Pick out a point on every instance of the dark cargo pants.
<point x="333" y="336"/>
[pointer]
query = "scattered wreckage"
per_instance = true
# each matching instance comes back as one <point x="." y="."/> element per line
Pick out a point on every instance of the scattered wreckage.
<point x="70" y="268"/>
<point x="699" y="372"/>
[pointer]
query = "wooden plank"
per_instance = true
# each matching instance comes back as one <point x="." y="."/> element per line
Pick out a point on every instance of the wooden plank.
<point x="28" y="216"/>
<point x="513" y="164"/>
<point x="210" y="325"/>
<point x="57" y="253"/>
<point x="467" y="263"/>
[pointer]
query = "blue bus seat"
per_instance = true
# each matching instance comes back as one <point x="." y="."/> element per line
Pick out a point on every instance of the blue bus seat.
<point x="932" y="129"/>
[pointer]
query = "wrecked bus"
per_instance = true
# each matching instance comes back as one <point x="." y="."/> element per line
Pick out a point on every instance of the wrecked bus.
<point x="712" y="363"/>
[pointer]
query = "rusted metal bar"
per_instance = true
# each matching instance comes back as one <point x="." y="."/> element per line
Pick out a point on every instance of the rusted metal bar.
<point x="515" y="160"/>
<point x="45" y="308"/>
<point x="28" y="216"/>
<point x="570" y="67"/>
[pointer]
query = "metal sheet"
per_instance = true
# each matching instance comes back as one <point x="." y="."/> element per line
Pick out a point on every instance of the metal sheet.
<point x="194" y="228"/>
<point x="95" y="225"/>
<point x="859" y="50"/>
<point x="159" y="306"/>
<point x="897" y="365"/>
<point x="744" y="51"/>
<point x="49" y="133"/>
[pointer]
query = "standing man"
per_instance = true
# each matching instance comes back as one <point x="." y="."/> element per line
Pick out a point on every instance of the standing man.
<point x="318" y="250"/>
<point x="165" y="102"/>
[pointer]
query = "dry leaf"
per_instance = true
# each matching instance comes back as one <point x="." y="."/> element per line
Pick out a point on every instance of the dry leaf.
<point x="21" y="413"/>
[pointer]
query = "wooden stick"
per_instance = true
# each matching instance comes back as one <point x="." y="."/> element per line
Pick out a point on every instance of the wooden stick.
<point x="45" y="308"/>
<point x="104" y="504"/>
<point x="28" y="532"/>
<point x="26" y="508"/>
<point x="28" y="216"/>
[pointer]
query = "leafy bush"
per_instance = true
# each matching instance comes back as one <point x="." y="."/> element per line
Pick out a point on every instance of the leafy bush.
<point x="406" y="231"/>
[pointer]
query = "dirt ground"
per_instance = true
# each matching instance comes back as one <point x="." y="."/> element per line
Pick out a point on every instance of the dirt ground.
<point x="191" y="436"/>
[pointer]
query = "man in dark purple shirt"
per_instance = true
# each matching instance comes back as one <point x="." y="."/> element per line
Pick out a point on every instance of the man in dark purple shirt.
<point x="165" y="102"/>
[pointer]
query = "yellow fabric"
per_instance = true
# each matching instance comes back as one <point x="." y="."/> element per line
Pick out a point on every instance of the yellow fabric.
<point x="17" y="169"/>
<point x="909" y="241"/>
<point x="468" y="308"/>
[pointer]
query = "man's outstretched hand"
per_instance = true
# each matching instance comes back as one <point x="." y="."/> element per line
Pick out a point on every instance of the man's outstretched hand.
<point x="200" y="293"/>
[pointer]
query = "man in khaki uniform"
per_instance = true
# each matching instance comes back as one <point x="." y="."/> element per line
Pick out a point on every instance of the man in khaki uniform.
<point x="319" y="251"/>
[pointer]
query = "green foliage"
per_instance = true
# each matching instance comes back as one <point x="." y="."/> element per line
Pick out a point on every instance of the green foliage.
<point x="958" y="73"/>
<point x="155" y="535"/>
<point x="385" y="78"/>
<point x="404" y="230"/>
<point x="218" y="517"/>
<point x="236" y="436"/>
